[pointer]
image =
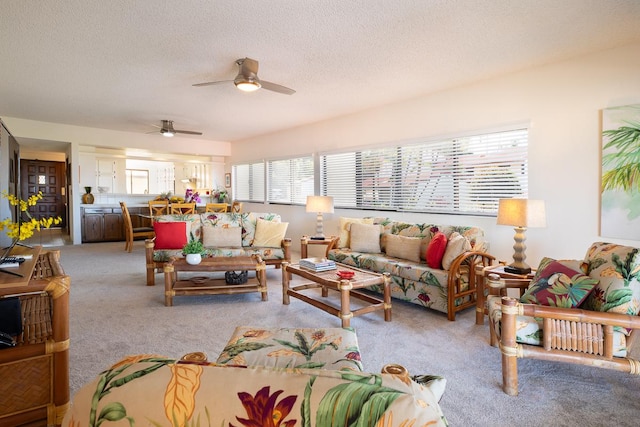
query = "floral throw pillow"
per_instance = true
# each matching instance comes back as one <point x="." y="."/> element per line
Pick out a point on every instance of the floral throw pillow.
<point x="559" y="286"/>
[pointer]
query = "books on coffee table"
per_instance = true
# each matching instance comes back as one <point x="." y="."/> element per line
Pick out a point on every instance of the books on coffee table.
<point x="317" y="264"/>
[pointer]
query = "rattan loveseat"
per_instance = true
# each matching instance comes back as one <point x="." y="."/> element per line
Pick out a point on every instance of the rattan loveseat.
<point x="599" y="331"/>
<point x="247" y="225"/>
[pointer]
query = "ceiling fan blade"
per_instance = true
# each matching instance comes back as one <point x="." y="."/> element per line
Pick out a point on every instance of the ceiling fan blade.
<point x="188" y="132"/>
<point x="212" y="83"/>
<point x="276" y="88"/>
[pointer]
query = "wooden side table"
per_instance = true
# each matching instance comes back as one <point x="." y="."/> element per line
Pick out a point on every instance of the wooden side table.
<point x="329" y="242"/>
<point x="482" y="274"/>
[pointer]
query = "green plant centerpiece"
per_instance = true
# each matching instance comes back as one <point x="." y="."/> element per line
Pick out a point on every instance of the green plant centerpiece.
<point x="193" y="250"/>
<point x="193" y="246"/>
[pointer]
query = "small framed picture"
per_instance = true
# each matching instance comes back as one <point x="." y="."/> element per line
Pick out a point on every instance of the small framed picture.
<point x="227" y="180"/>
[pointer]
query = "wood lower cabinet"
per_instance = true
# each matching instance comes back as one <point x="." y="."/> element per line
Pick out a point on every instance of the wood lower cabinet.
<point x="102" y="225"/>
<point x="106" y="224"/>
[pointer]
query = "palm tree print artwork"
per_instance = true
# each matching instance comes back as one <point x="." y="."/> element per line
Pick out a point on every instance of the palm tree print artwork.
<point x="620" y="187"/>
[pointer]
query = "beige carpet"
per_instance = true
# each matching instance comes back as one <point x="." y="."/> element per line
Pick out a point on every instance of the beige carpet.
<point x="113" y="314"/>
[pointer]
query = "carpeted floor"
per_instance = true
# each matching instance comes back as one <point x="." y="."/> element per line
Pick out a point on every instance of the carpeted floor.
<point x="113" y="314"/>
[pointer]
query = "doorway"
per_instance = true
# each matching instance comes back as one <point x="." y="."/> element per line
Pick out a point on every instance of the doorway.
<point x="48" y="177"/>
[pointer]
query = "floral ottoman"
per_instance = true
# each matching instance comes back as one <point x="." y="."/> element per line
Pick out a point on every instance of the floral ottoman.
<point x="302" y="348"/>
<point x="154" y="390"/>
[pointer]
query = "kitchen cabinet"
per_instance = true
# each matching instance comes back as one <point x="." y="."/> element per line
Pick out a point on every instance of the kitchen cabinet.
<point x="102" y="225"/>
<point x="105" y="224"/>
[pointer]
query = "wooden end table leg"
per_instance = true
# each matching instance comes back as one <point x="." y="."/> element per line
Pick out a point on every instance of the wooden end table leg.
<point x="169" y="280"/>
<point x="387" y="296"/>
<point x="261" y="275"/>
<point x="286" y="276"/>
<point x="345" y="307"/>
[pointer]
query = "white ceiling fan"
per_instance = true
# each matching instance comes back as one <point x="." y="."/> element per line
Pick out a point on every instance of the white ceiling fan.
<point x="247" y="79"/>
<point x="167" y="129"/>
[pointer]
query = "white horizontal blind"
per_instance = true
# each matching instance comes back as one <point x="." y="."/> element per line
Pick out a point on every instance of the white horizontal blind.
<point x="462" y="175"/>
<point x="248" y="182"/>
<point x="290" y="180"/>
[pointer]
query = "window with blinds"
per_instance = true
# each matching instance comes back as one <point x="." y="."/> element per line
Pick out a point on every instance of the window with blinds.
<point x="461" y="175"/>
<point x="248" y="182"/>
<point x="290" y="181"/>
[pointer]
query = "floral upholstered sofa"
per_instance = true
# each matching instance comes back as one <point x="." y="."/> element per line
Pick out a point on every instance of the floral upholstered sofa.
<point x="430" y="265"/>
<point x="223" y="235"/>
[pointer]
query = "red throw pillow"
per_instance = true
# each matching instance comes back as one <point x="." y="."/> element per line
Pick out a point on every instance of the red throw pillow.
<point x="170" y="235"/>
<point x="435" y="250"/>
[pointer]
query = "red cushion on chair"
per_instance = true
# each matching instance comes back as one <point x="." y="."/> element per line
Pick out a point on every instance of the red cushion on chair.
<point x="170" y="235"/>
<point x="435" y="250"/>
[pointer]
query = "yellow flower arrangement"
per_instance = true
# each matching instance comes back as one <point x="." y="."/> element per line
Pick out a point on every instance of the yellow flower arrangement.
<point x="22" y="230"/>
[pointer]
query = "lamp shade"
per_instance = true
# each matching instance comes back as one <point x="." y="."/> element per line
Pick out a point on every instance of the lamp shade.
<point x="320" y="204"/>
<point x="522" y="213"/>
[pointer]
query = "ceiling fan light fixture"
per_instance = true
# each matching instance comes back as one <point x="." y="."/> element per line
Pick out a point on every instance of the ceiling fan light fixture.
<point x="247" y="85"/>
<point x="167" y="133"/>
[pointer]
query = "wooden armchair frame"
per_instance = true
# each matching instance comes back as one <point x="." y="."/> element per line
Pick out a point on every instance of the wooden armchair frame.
<point x="570" y="335"/>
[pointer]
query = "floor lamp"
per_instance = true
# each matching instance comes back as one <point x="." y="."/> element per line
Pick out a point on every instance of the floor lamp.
<point x="319" y="205"/>
<point x="521" y="214"/>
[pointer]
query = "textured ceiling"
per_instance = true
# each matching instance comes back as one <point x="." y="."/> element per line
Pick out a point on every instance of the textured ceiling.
<point x="126" y="65"/>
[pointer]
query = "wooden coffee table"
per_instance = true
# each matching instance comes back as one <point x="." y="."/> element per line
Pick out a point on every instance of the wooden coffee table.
<point x="203" y="285"/>
<point x="348" y="288"/>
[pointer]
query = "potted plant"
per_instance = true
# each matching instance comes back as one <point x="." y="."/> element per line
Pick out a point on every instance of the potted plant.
<point x="193" y="250"/>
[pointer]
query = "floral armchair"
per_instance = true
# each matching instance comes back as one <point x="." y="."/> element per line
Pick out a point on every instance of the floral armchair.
<point x="583" y="312"/>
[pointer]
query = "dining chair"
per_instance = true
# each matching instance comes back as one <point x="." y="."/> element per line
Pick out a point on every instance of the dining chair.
<point x="131" y="232"/>
<point x="236" y="207"/>
<point x="158" y="207"/>
<point x="215" y="207"/>
<point x="183" y="208"/>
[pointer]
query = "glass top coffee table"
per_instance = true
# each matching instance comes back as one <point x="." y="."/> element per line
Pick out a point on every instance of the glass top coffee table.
<point x="348" y="288"/>
<point x="205" y="285"/>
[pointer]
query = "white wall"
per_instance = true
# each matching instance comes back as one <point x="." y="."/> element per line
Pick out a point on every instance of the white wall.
<point x="562" y="103"/>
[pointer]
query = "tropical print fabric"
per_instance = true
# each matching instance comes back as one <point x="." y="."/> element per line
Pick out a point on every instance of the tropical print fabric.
<point x="529" y="329"/>
<point x="559" y="286"/>
<point x="413" y="281"/>
<point x="246" y="221"/>
<point x="153" y="390"/>
<point x="617" y="268"/>
<point x="308" y="348"/>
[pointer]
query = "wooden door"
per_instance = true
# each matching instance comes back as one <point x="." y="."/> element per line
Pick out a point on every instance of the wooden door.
<point x="48" y="177"/>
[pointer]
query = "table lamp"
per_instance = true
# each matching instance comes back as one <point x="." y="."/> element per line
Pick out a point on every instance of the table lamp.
<point x="520" y="213"/>
<point x="319" y="205"/>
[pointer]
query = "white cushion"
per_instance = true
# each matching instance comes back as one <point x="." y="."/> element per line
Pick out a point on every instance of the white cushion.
<point x="344" y="229"/>
<point x="457" y="245"/>
<point x="364" y="237"/>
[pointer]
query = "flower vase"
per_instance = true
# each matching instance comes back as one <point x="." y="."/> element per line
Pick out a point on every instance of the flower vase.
<point x="193" y="259"/>
<point x="87" y="198"/>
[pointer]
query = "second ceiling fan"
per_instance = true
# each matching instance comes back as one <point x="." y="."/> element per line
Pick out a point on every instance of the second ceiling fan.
<point x="247" y="79"/>
<point x="168" y="130"/>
